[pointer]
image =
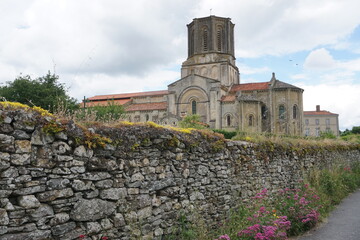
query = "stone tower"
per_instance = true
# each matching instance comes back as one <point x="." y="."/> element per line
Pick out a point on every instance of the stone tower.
<point x="211" y="50"/>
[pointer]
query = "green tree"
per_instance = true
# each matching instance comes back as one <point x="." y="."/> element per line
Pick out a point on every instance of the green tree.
<point x="45" y="92"/>
<point x="356" y="130"/>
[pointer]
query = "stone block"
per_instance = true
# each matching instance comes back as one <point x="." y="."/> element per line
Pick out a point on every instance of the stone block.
<point x="113" y="193"/>
<point x="54" y="194"/>
<point x="28" y="201"/>
<point x="91" y="210"/>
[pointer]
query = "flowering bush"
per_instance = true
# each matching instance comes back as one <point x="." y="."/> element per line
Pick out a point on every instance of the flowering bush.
<point x="266" y="224"/>
<point x="300" y="205"/>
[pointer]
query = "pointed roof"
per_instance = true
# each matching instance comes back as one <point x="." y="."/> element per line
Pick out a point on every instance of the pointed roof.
<point x="194" y="75"/>
<point x="277" y="84"/>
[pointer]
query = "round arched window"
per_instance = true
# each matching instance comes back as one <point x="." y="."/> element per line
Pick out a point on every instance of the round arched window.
<point x="193" y="107"/>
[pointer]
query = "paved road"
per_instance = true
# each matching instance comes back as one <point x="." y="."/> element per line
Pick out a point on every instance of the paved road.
<point x="342" y="224"/>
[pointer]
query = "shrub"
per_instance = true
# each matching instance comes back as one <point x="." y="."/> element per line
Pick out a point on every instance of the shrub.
<point x="193" y="121"/>
<point x="227" y="134"/>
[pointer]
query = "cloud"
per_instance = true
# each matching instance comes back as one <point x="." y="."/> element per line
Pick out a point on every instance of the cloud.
<point x="100" y="84"/>
<point x="245" y="69"/>
<point x="320" y="59"/>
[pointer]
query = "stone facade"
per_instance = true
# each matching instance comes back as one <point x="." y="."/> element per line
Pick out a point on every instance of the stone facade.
<point x="210" y="87"/>
<point x="135" y="181"/>
<point x="319" y="121"/>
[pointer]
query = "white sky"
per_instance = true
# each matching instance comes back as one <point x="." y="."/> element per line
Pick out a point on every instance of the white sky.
<point x="114" y="46"/>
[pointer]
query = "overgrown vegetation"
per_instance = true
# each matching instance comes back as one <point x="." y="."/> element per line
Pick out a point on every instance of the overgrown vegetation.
<point x="289" y="212"/>
<point x="193" y="121"/>
<point x="351" y="135"/>
<point x="111" y="112"/>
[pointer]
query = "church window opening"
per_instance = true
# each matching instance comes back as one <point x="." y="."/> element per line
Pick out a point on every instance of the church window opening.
<point x="263" y="112"/>
<point x="306" y="122"/>
<point x="228" y="120"/>
<point x="281" y="112"/>
<point x="295" y="112"/>
<point x="219" y="38"/>
<point x="147" y="117"/>
<point x="327" y="122"/>
<point x="193" y="107"/>
<point x="251" y="120"/>
<point x="205" y="40"/>
<point x="317" y="121"/>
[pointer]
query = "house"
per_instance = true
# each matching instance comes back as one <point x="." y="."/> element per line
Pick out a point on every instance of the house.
<point x="319" y="121"/>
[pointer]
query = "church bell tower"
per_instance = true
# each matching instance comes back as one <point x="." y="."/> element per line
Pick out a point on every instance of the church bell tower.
<point x="211" y="50"/>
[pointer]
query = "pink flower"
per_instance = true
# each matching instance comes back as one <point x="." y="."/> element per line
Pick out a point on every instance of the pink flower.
<point x="225" y="237"/>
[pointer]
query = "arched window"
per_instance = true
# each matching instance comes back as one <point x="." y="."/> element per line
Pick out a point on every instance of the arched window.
<point x="281" y="112"/>
<point x="295" y="112"/>
<point x="147" y="117"/>
<point x="205" y="39"/>
<point x="219" y="38"/>
<point x="251" y="120"/>
<point x="228" y="120"/>
<point x="193" y="107"/>
<point x="263" y="112"/>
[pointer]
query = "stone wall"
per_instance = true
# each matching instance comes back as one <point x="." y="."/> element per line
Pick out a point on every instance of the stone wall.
<point x="60" y="181"/>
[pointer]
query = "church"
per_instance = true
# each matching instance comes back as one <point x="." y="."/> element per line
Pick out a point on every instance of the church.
<point x="210" y="87"/>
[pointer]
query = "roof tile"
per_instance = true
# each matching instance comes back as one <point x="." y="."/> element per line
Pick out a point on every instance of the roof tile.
<point x="322" y="112"/>
<point x="250" y="86"/>
<point x="147" y="106"/>
<point x="129" y="95"/>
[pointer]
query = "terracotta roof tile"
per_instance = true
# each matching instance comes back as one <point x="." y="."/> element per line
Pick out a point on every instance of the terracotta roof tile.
<point x="250" y="86"/>
<point x="228" y="98"/>
<point x="105" y="102"/>
<point x="322" y="112"/>
<point x="147" y="106"/>
<point x="129" y="95"/>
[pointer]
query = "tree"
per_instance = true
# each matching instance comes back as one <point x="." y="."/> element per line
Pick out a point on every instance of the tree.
<point x="356" y="130"/>
<point x="45" y="92"/>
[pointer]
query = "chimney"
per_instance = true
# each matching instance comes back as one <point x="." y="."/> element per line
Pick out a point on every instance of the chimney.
<point x="318" y="108"/>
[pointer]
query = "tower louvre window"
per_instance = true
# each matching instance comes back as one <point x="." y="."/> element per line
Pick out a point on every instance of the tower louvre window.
<point x="205" y="40"/>
<point x="219" y="39"/>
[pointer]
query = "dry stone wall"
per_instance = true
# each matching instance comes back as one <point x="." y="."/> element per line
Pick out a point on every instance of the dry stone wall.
<point x="61" y="181"/>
